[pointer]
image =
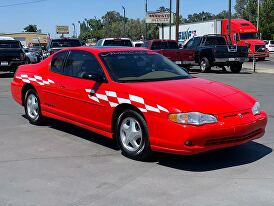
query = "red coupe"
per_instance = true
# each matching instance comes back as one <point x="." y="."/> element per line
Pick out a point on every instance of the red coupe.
<point x="140" y="98"/>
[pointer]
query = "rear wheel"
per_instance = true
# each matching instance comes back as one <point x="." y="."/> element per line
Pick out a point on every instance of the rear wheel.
<point x="132" y="135"/>
<point x="32" y="107"/>
<point x="204" y="65"/>
<point x="236" y="68"/>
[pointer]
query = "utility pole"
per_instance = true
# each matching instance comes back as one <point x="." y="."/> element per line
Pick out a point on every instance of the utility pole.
<point x="229" y="20"/>
<point x="80" y="30"/>
<point x="258" y="16"/>
<point x="145" y="22"/>
<point x="177" y="19"/>
<point x="124" y="20"/>
<point x="170" y="16"/>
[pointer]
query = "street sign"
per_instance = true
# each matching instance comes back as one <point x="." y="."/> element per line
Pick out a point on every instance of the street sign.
<point x="62" y="29"/>
<point x="159" y="18"/>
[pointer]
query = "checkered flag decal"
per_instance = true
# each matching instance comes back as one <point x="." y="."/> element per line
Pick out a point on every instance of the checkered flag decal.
<point x="112" y="98"/>
<point x="38" y="79"/>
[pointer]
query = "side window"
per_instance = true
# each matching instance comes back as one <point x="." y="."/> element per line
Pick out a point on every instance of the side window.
<point x="99" y="42"/>
<point x="189" y="44"/>
<point x="80" y="63"/>
<point x="57" y="62"/>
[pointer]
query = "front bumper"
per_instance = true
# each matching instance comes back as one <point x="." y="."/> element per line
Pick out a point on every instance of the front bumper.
<point x="11" y="65"/>
<point x="226" y="133"/>
<point x="258" y="55"/>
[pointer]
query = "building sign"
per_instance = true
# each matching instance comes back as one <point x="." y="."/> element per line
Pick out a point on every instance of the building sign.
<point x="62" y="29"/>
<point x="158" y="18"/>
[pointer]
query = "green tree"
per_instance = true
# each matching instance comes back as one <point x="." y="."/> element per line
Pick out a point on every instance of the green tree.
<point x="31" y="28"/>
<point x="240" y="8"/>
<point x="267" y="19"/>
<point x="202" y="16"/>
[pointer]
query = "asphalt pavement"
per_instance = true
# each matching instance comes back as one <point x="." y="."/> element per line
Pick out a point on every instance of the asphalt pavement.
<point x="63" y="165"/>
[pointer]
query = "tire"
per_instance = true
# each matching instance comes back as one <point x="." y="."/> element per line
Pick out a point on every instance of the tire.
<point x="204" y="65"/>
<point x="236" y="68"/>
<point x="32" y="107"/>
<point x="132" y="135"/>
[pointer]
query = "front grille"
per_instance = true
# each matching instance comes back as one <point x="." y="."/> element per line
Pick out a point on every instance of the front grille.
<point x="259" y="48"/>
<point x="225" y="140"/>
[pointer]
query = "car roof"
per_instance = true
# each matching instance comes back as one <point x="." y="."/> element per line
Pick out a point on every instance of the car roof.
<point x="101" y="49"/>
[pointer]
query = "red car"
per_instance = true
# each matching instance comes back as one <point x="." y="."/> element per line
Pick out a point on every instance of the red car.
<point x="140" y="98"/>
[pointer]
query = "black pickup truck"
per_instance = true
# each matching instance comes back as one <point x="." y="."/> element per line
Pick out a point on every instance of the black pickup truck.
<point x="11" y="55"/>
<point x="213" y="50"/>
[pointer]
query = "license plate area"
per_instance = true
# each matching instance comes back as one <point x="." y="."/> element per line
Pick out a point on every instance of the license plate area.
<point x="4" y="63"/>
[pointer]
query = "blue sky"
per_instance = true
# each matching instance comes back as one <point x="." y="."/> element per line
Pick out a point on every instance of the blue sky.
<point x="49" y="13"/>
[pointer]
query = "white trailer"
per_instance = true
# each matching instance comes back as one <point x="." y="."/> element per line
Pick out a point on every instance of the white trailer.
<point x="186" y="31"/>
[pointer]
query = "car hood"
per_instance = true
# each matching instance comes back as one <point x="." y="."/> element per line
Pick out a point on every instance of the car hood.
<point x="194" y="94"/>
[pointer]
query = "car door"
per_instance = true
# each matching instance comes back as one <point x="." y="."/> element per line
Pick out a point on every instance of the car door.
<point x="79" y="91"/>
<point x="52" y="92"/>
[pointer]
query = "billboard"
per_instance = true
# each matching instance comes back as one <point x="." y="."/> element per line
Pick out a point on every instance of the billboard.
<point x="159" y="18"/>
<point x="62" y="29"/>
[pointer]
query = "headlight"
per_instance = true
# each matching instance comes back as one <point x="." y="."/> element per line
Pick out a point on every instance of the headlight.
<point x="192" y="118"/>
<point x="256" y="109"/>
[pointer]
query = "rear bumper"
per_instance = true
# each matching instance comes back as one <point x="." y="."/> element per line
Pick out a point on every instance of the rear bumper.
<point x="12" y="65"/>
<point x="184" y="62"/>
<point x="209" y="137"/>
<point x="231" y="60"/>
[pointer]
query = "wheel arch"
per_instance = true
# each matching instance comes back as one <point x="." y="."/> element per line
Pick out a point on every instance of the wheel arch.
<point x="118" y="110"/>
<point x="25" y="88"/>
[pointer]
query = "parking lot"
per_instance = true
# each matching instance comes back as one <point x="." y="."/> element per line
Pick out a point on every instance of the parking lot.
<point x="60" y="164"/>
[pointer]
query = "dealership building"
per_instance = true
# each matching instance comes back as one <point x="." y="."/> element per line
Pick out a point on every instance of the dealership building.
<point x="27" y="38"/>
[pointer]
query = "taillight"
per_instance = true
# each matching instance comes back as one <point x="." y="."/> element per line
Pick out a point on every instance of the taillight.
<point x="51" y="52"/>
<point x="22" y="56"/>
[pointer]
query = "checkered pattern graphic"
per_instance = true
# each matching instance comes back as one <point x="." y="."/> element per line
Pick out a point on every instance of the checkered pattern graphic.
<point x="112" y="98"/>
<point x="38" y="79"/>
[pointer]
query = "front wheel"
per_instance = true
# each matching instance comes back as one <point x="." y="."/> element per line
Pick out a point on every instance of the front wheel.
<point x="236" y="68"/>
<point x="132" y="135"/>
<point x="32" y="107"/>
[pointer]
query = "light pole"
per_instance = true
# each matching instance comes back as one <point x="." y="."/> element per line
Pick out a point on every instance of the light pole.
<point x="177" y="19"/>
<point x="229" y="20"/>
<point x="124" y="20"/>
<point x="80" y="31"/>
<point x="145" y="22"/>
<point x="258" y="16"/>
<point x="170" y="13"/>
<point x="74" y="30"/>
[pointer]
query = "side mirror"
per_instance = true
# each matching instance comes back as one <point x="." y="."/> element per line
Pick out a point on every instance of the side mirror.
<point x="94" y="77"/>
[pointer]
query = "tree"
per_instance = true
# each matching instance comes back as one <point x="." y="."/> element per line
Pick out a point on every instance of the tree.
<point x="240" y="8"/>
<point x="266" y="19"/>
<point x="31" y="28"/>
<point x="202" y="16"/>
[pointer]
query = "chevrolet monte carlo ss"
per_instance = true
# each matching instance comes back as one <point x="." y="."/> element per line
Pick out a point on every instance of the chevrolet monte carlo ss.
<point x="139" y="98"/>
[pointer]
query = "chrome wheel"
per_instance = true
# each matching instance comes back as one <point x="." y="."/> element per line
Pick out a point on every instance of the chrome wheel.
<point x="203" y="65"/>
<point x="131" y="134"/>
<point x="32" y="107"/>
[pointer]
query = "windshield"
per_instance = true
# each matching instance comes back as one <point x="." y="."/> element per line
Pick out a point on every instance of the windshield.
<point x="141" y="66"/>
<point x="244" y="36"/>
<point x="271" y="42"/>
<point x="10" y="44"/>
<point x="65" y="43"/>
<point x="118" y="42"/>
<point x="164" y="45"/>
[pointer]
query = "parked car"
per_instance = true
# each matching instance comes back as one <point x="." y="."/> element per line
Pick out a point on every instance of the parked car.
<point x="124" y="42"/>
<point x="11" y="54"/>
<point x="31" y="57"/>
<point x="140" y="98"/>
<point x="55" y="45"/>
<point x="213" y="50"/>
<point x="138" y="43"/>
<point x="270" y="45"/>
<point x="170" y="49"/>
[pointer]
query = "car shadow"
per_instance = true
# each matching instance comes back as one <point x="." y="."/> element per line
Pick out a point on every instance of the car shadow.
<point x="6" y="75"/>
<point x="220" y="159"/>
<point x="79" y="132"/>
